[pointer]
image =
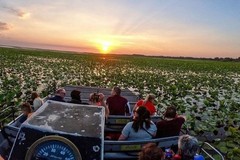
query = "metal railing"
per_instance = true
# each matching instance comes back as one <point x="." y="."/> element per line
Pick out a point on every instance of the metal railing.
<point x="7" y="114"/>
<point x="209" y="151"/>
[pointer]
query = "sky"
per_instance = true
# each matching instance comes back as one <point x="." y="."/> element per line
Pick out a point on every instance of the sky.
<point x="189" y="28"/>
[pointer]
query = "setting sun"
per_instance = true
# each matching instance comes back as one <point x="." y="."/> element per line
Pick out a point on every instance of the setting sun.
<point x="105" y="46"/>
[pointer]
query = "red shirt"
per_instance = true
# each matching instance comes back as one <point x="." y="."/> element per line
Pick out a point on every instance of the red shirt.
<point x="169" y="128"/>
<point x="149" y="105"/>
<point x="177" y="157"/>
<point x="117" y="105"/>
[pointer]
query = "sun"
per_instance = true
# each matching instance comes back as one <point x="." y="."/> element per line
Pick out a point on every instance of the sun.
<point x="106" y="46"/>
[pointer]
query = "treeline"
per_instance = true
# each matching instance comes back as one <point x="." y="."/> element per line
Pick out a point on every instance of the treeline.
<point x="226" y="59"/>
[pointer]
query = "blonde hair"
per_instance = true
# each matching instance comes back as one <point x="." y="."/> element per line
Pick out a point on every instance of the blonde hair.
<point x="149" y="97"/>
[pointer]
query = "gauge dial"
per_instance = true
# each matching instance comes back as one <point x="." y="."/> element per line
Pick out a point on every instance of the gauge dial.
<point x="53" y="148"/>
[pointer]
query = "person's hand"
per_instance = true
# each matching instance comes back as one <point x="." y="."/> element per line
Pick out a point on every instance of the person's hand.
<point x="169" y="153"/>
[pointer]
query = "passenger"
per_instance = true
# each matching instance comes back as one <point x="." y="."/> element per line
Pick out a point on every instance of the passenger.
<point x="60" y="94"/>
<point x="76" y="97"/>
<point x="26" y="111"/>
<point x="140" y="128"/>
<point x="98" y="100"/>
<point x="150" y="151"/>
<point x="117" y="104"/>
<point x="148" y="103"/>
<point x="187" y="149"/>
<point x="171" y="124"/>
<point x="37" y="101"/>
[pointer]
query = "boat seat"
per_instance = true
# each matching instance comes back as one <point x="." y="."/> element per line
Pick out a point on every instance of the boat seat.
<point x="130" y="149"/>
<point x="115" y="123"/>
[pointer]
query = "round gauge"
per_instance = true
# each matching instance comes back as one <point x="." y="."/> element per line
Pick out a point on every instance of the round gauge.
<point x="53" y="148"/>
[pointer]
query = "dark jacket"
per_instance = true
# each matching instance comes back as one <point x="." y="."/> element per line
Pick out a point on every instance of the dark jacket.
<point x="57" y="98"/>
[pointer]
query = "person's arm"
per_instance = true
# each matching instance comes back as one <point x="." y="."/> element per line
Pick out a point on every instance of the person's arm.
<point x="184" y="117"/>
<point x="135" y="106"/>
<point x="1" y="158"/>
<point x="106" y="109"/>
<point x="127" y="109"/>
<point x="125" y="132"/>
<point x="153" y="129"/>
<point x="122" y="138"/>
<point x="101" y="98"/>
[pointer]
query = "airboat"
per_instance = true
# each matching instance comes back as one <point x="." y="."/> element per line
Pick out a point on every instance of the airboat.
<point x="66" y="131"/>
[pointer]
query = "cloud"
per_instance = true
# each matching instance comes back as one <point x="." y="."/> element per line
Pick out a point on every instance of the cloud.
<point x="20" y="13"/>
<point x="4" y="26"/>
<point x="24" y="15"/>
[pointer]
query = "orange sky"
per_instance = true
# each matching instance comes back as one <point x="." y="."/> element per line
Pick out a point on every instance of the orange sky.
<point x="170" y="28"/>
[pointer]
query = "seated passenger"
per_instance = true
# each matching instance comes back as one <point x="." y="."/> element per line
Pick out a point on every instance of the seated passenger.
<point x="151" y="151"/>
<point x="76" y="98"/>
<point x="187" y="149"/>
<point x="37" y="101"/>
<point x="140" y="128"/>
<point x="171" y="124"/>
<point x="98" y="100"/>
<point x="117" y="104"/>
<point x="148" y="103"/>
<point x="59" y="95"/>
<point x="26" y="111"/>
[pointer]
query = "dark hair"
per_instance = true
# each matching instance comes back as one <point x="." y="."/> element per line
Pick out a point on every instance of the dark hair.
<point x="26" y="107"/>
<point x="170" y="112"/>
<point x="117" y="90"/>
<point x="143" y="116"/>
<point x="94" y="97"/>
<point x="34" y="95"/>
<point x="75" y="94"/>
<point x="150" y="151"/>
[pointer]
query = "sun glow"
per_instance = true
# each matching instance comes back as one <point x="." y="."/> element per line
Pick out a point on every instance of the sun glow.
<point x="104" y="46"/>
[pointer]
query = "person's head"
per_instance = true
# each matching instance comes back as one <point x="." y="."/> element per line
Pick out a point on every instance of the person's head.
<point x="75" y="94"/>
<point x="141" y="113"/>
<point x="94" y="97"/>
<point x="150" y="151"/>
<point x="141" y="116"/>
<point x="34" y="95"/>
<point x="61" y="92"/>
<point x="116" y="91"/>
<point x="188" y="147"/>
<point x="170" y="112"/>
<point x="26" y="108"/>
<point x="150" y="97"/>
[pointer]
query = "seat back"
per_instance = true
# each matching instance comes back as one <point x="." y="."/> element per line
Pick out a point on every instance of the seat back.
<point x="115" y="123"/>
<point x="130" y="149"/>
